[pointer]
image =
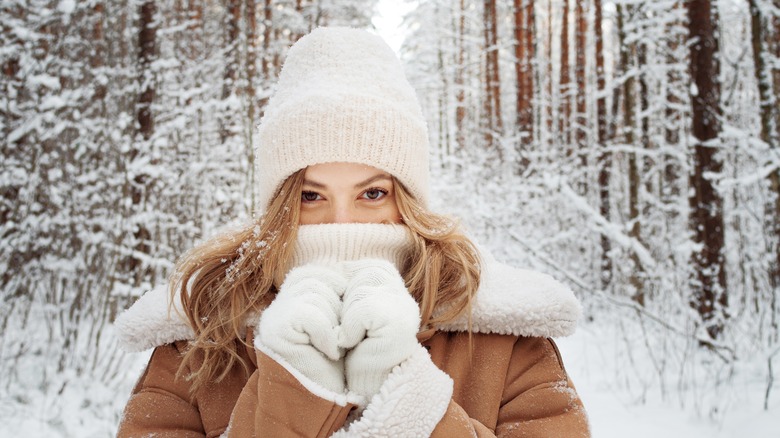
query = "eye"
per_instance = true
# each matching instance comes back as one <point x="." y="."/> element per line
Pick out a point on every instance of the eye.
<point x="310" y="196"/>
<point x="374" y="194"/>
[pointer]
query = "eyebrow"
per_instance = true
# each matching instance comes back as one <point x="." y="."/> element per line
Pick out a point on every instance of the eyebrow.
<point x="374" y="178"/>
<point x="318" y="185"/>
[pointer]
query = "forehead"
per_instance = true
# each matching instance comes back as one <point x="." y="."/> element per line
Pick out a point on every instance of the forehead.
<point x="342" y="172"/>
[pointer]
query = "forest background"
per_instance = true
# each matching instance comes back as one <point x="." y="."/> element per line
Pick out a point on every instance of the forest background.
<point x="628" y="148"/>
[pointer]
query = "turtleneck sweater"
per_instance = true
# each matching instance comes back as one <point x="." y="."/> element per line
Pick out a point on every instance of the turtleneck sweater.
<point x="329" y="244"/>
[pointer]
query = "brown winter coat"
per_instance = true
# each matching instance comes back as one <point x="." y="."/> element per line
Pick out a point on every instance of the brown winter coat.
<point x="505" y="385"/>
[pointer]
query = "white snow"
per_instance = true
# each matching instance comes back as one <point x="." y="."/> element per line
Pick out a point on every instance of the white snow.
<point x="66" y="6"/>
<point x="616" y="411"/>
<point x="389" y="21"/>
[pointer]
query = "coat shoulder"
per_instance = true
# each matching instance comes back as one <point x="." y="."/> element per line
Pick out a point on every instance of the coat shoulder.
<point x="152" y="321"/>
<point x="520" y="302"/>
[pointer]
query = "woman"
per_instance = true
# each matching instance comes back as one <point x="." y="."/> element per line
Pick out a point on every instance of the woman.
<point x="348" y="309"/>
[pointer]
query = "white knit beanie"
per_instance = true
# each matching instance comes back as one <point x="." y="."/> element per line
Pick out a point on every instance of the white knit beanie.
<point x="342" y="97"/>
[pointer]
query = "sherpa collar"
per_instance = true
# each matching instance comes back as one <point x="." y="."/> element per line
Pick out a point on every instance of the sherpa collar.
<point x="509" y="301"/>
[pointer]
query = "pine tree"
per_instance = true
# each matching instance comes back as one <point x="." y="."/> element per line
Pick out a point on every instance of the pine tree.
<point x="710" y="296"/>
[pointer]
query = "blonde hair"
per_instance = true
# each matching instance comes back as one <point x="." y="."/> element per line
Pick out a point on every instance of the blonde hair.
<point x="226" y="280"/>
<point x="443" y="270"/>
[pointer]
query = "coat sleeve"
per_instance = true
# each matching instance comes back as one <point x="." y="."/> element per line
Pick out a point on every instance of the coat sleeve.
<point x="411" y="402"/>
<point x="539" y="399"/>
<point x="280" y="402"/>
<point x="416" y="400"/>
<point x="159" y="405"/>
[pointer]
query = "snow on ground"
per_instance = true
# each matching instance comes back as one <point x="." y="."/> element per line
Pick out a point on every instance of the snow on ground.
<point x="66" y="406"/>
<point x="616" y="411"/>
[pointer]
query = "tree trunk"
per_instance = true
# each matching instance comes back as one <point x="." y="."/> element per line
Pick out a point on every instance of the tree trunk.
<point x="524" y="55"/>
<point x="445" y="146"/>
<point x="267" y="26"/>
<point x="774" y="49"/>
<point x="194" y="43"/>
<point x="18" y="153"/>
<point x="763" y="75"/>
<point x="565" y="113"/>
<point x="769" y="132"/>
<point x="493" y="123"/>
<point x="250" y="12"/>
<point x="460" y="84"/>
<point x="445" y="143"/>
<point x="670" y="191"/>
<point x="551" y="114"/>
<point x="146" y="54"/>
<point x="97" y="60"/>
<point x="581" y="119"/>
<point x="710" y="298"/>
<point x="634" y="178"/>
<point x="605" y="160"/>
<point x="232" y="22"/>
<point x="147" y="35"/>
<point x="644" y="118"/>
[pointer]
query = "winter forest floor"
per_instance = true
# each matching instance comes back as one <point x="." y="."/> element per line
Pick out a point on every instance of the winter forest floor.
<point x="617" y="411"/>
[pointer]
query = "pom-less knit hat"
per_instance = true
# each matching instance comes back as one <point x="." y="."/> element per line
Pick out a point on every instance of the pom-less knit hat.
<point x="342" y="97"/>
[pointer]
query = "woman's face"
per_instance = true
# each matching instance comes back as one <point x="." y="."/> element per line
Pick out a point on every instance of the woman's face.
<point x="336" y="193"/>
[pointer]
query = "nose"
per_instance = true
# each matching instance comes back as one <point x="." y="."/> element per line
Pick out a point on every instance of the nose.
<point x="343" y="214"/>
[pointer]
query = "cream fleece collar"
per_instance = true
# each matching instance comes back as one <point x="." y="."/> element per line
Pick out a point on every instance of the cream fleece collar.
<point x="509" y="300"/>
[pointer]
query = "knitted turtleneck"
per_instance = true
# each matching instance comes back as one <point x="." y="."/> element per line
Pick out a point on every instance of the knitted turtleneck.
<point x="331" y="243"/>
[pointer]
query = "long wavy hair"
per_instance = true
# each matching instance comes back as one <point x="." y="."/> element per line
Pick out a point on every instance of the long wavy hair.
<point x="228" y="279"/>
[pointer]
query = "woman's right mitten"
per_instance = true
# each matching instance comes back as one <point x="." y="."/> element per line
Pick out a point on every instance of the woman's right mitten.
<point x="379" y="324"/>
<point x="300" y="325"/>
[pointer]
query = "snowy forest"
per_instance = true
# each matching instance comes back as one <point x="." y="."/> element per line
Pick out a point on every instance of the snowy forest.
<point x="629" y="148"/>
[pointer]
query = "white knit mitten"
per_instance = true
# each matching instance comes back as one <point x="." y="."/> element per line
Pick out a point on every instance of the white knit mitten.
<point x="300" y="325"/>
<point x="379" y="323"/>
